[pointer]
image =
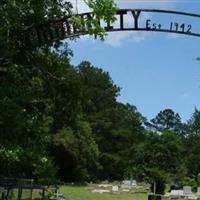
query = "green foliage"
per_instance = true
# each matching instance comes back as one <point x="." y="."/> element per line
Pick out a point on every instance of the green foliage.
<point x="159" y="159"/>
<point x="194" y="122"/>
<point x="192" y="145"/>
<point x="116" y="127"/>
<point x="61" y="121"/>
<point x="80" y="145"/>
<point x="45" y="171"/>
<point x="18" y="16"/>
<point x="167" y="120"/>
<point x="194" y="182"/>
<point x="102" y="10"/>
<point x="189" y="181"/>
<point x="10" y="155"/>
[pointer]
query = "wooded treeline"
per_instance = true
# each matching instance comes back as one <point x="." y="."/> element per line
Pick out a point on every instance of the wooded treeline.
<point x="63" y="122"/>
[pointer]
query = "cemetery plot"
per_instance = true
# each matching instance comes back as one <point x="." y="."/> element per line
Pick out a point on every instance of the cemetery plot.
<point x="126" y="186"/>
<point x="185" y="193"/>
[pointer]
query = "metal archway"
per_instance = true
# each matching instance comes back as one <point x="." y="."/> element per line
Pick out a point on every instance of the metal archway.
<point x="62" y="28"/>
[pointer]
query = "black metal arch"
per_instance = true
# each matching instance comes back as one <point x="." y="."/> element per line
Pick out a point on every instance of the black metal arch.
<point x="62" y="28"/>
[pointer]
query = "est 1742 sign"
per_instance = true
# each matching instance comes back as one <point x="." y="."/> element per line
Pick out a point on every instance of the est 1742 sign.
<point x="126" y="20"/>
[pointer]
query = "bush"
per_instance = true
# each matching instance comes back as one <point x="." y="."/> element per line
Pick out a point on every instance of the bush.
<point x="45" y="172"/>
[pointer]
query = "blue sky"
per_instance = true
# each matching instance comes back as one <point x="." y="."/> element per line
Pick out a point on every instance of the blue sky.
<point x="154" y="70"/>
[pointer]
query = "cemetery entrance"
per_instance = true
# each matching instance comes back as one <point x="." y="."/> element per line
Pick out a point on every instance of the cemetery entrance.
<point x="63" y="28"/>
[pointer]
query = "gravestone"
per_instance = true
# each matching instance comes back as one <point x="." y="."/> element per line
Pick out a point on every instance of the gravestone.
<point x="154" y="197"/>
<point x="187" y="190"/>
<point x="133" y="183"/>
<point x="126" y="184"/>
<point x="176" y="193"/>
<point x="115" y="188"/>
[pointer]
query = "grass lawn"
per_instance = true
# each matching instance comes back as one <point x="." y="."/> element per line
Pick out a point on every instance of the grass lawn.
<point x="83" y="193"/>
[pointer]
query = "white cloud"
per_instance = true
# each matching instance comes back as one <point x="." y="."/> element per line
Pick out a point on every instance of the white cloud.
<point x="184" y="96"/>
<point x="117" y="39"/>
<point x="79" y="5"/>
<point x="173" y="36"/>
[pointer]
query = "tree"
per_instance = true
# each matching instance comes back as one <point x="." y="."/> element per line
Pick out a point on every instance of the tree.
<point x="104" y="10"/>
<point x="116" y="127"/>
<point x="122" y="134"/>
<point x="159" y="159"/>
<point x="167" y="120"/>
<point x="194" y="122"/>
<point x="192" y="143"/>
<point x="24" y="122"/>
<point x="77" y="153"/>
<point x="18" y="16"/>
<point x="40" y="91"/>
<point x="99" y="90"/>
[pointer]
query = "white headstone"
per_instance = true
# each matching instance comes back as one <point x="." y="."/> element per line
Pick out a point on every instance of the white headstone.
<point x="133" y="183"/>
<point x="181" y="192"/>
<point x="176" y="193"/>
<point x="187" y="190"/>
<point x="115" y="188"/>
<point x="198" y="190"/>
<point x="126" y="184"/>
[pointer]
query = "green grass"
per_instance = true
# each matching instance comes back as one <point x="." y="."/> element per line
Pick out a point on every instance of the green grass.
<point x="83" y="193"/>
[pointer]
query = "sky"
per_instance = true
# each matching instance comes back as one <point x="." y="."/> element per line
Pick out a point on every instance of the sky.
<point x="155" y="71"/>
